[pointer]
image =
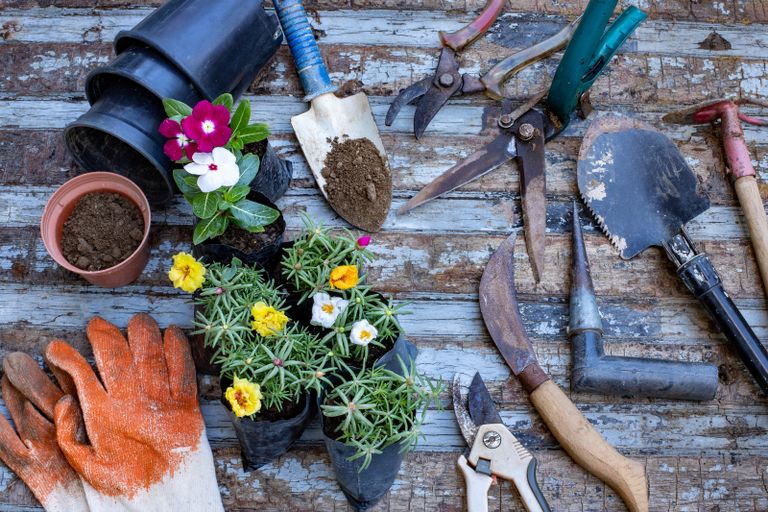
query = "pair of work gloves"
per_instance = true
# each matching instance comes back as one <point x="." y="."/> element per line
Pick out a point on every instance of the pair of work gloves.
<point x="131" y="438"/>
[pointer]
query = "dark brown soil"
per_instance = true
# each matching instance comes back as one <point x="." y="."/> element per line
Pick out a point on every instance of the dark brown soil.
<point x="358" y="183"/>
<point x="248" y="242"/>
<point x="715" y="41"/>
<point x="257" y="148"/>
<point x="103" y="230"/>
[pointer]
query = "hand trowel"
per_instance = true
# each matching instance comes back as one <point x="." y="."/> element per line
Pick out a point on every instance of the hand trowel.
<point x="330" y="121"/>
<point x="642" y="193"/>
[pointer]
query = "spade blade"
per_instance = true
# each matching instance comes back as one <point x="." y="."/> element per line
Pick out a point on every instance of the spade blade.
<point x="636" y="183"/>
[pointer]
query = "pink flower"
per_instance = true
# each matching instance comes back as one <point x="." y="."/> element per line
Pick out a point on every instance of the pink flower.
<point x="178" y="143"/>
<point x="208" y="125"/>
<point x="363" y="241"/>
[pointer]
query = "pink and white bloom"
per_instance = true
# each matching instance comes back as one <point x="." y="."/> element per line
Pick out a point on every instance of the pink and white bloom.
<point x="326" y="309"/>
<point x="363" y="333"/>
<point x="208" y="126"/>
<point x="178" y="143"/>
<point x="216" y="169"/>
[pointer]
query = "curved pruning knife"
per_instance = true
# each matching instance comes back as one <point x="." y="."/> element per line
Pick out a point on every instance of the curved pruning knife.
<point x="525" y="130"/>
<point x="433" y="92"/>
<point x="494" y="450"/>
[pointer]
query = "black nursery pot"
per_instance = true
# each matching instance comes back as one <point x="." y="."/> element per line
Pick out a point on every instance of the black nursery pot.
<point x="213" y="251"/>
<point x="274" y="174"/>
<point x="263" y="441"/>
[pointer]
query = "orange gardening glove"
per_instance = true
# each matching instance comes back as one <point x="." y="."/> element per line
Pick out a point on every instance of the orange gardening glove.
<point x="148" y="448"/>
<point x="33" y="454"/>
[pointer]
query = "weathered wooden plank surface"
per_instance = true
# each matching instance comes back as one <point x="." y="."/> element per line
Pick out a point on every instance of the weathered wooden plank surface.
<point x="709" y="456"/>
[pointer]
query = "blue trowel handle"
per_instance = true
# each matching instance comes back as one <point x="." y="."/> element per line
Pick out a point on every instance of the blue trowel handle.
<point x="306" y="54"/>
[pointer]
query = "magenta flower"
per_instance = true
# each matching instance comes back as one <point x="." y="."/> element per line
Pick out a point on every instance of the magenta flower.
<point x="363" y="241"/>
<point x="178" y="143"/>
<point x="208" y="126"/>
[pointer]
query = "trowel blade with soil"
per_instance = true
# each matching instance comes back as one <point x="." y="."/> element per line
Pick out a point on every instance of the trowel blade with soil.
<point x="642" y="193"/>
<point x="636" y="183"/>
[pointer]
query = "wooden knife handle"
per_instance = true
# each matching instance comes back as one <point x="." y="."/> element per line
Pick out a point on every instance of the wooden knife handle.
<point x="752" y="205"/>
<point x="588" y="448"/>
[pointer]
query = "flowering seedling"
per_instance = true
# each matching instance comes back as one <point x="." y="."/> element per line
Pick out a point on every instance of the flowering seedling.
<point x="376" y="408"/>
<point x="208" y="140"/>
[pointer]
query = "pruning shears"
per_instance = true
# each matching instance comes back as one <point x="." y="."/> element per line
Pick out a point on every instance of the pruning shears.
<point x="433" y="92"/>
<point x="494" y="450"/>
<point x="526" y="129"/>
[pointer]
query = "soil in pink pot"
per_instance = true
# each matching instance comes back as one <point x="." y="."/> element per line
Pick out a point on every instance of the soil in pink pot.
<point x="103" y="230"/>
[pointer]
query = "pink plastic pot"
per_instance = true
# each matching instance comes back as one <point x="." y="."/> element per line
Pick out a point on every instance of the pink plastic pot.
<point x="59" y="208"/>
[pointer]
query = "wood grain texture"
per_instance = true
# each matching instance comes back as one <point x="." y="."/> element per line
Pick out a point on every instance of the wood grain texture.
<point x="698" y="457"/>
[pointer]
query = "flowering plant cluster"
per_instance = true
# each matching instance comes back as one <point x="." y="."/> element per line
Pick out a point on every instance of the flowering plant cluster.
<point x="270" y="360"/>
<point x="326" y="268"/>
<point x="377" y="408"/>
<point x="208" y="140"/>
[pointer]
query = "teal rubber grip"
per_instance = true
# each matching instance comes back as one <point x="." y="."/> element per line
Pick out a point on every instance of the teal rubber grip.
<point x="574" y="74"/>
<point x="309" y="62"/>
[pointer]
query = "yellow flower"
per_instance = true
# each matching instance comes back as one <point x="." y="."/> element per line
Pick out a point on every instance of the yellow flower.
<point x="187" y="273"/>
<point x="267" y="320"/>
<point x="344" y="277"/>
<point x="244" y="397"/>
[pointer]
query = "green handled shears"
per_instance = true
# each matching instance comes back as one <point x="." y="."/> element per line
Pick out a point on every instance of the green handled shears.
<point x="526" y="129"/>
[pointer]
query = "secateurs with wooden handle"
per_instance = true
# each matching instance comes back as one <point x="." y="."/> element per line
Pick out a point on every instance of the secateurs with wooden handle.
<point x="493" y="450"/>
<point x="739" y="164"/>
<point x="432" y="92"/>
<point x="642" y="193"/>
<point x="525" y="130"/>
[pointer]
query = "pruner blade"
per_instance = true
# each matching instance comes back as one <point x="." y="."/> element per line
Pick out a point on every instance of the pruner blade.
<point x="473" y="405"/>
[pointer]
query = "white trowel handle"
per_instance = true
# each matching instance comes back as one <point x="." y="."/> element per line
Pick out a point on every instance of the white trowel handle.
<point x="306" y="54"/>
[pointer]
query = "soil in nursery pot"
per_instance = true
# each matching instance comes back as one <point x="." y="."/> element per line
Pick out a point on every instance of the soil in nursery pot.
<point x="290" y="410"/>
<point x="248" y="242"/>
<point x="358" y="182"/>
<point x="103" y="230"/>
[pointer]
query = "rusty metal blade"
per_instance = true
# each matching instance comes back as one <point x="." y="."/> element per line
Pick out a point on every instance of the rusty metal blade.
<point x="498" y="305"/>
<point x="407" y="96"/>
<point x="482" y="410"/>
<point x="499" y="151"/>
<point x="459" y="391"/>
<point x="533" y="190"/>
<point x="685" y="116"/>
<point x="446" y="83"/>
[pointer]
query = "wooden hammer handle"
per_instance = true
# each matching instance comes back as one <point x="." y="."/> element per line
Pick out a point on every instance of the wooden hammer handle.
<point x="752" y="206"/>
<point x="588" y="448"/>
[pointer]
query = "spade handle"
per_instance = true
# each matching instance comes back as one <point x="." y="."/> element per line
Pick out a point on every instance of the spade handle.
<point x="588" y="448"/>
<point x="309" y="62"/>
<point x="754" y="212"/>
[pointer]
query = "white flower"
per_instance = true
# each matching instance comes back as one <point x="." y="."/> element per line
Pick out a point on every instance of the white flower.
<point x="216" y="170"/>
<point x="363" y="333"/>
<point x="326" y="309"/>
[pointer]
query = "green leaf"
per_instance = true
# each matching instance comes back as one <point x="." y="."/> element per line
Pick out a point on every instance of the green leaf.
<point x="253" y="133"/>
<point x="236" y="193"/>
<point x="180" y="176"/>
<point x="249" y="168"/>
<point x="176" y="108"/>
<point x="205" y="205"/>
<point x="241" y="117"/>
<point x="210" y="228"/>
<point x="225" y="99"/>
<point x="250" y="215"/>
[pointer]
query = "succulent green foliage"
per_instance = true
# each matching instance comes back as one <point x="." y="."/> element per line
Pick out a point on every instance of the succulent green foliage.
<point x="377" y="408"/>
<point x="308" y="264"/>
<point x="286" y="364"/>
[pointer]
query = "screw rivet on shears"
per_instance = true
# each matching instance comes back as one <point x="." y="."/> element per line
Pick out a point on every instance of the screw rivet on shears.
<point x="506" y="121"/>
<point x="446" y="79"/>
<point x="492" y="439"/>
<point x="526" y="131"/>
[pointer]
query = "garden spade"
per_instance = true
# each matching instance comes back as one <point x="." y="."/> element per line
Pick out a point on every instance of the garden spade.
<point x="329" y="118"/>
<point x="642" y="193"/>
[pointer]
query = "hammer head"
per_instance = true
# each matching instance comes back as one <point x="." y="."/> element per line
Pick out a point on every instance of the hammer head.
<point x="701" y="113"/>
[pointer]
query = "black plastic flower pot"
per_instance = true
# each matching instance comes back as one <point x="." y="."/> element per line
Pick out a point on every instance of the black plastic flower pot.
<point x="220" y="46"/>
<point x="263" y="441"/>
<point x="119" y="134"/>
<point x="202" y="354"/>
<point x="274" y="174"/>
<point x="217" y="250"/>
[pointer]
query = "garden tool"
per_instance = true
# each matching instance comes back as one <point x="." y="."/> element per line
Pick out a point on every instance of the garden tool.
<point x="432" y="92"/>
<point x="525" y="130"/>
<point x="739" y="165"/>
<point x="31" y="451"/>
<point x="494" y="451"/>
<point x="147" y="448"/>
<point x="329" y="118"/>
<point x="498" y="305"/>
<point x="595" y="372"/>
<point x="642" y="193"/>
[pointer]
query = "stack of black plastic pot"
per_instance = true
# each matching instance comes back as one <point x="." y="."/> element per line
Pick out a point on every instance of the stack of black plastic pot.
<point x="188" y="50"/>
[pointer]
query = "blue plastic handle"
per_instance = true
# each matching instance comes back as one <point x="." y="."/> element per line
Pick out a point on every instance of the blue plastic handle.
<point x="306" y="54"/>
